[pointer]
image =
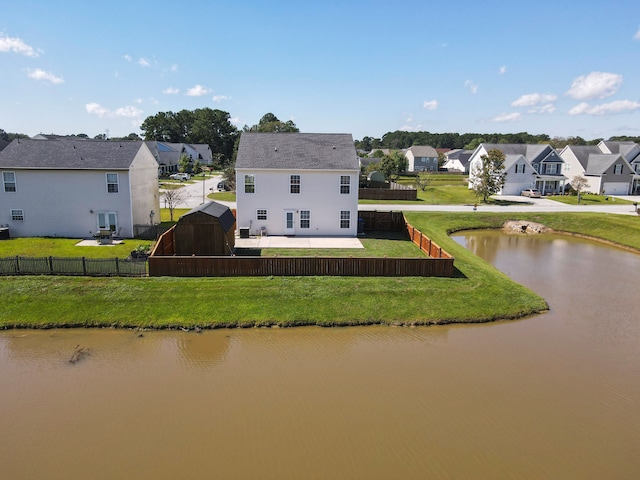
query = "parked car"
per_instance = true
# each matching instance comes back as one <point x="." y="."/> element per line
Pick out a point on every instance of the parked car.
<point x="223" y="186"/>
<point x="180" y="176"/>
<point x="531" y="193"/>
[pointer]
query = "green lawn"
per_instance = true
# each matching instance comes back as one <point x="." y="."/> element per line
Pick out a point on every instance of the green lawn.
<point x="478" y="292"/>
<point x="588" y="199"/>
<point x="65" y="247"/>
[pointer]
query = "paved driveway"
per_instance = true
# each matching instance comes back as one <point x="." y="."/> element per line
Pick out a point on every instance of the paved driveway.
<point x="193" y="194"/>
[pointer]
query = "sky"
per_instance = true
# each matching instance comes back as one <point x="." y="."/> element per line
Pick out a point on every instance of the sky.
<point x="562" y="68"/>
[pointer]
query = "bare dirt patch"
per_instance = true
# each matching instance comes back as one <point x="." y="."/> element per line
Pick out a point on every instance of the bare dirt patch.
<point x="524" y="228"/>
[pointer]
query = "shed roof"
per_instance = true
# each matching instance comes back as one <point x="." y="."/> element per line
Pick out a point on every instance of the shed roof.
<point x="297" y="151"/>
<point x="217" y="210"/>
<point x="69" y="154"/>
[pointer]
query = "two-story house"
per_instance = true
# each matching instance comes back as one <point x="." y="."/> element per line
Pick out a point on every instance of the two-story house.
<point x="526" y="166"/>
<point x="421" y="158"/>
<point x="297" y="184"/>
<point x="606" y="173"/>
<point x="73" y="187"/>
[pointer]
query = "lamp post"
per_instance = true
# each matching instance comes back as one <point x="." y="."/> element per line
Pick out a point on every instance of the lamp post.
<point x="203" y="186"/>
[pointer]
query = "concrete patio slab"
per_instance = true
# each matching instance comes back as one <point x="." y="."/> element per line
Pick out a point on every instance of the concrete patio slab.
<point x="96" y="243"/>
<point x="298" y="242"/>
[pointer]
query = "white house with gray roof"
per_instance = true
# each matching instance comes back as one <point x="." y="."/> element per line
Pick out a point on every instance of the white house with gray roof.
<point x="526" y="166"/>
<point x="297" y="184"/>
<point x="72" y="187"/>
<point x="607" y="172"/>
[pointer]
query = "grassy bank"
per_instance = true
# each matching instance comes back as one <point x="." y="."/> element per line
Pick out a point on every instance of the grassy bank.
<point x="479" y="293"/>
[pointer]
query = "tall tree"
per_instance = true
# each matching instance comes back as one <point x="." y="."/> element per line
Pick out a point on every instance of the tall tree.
<point x="393" y="165"/>
<point x="270" y="123"/>
<point x="579" y="183"/>
<point x="488" y="176"/>
<point x="203" y="125"/>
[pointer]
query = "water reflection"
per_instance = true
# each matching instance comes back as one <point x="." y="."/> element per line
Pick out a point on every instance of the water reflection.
<point x="553" y="396"/>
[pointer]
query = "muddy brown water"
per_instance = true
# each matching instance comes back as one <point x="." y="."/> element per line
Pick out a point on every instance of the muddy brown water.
<point x="556" y="396"/>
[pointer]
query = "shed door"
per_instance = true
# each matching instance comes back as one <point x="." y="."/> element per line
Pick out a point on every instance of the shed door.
<point x="289" y="222"/>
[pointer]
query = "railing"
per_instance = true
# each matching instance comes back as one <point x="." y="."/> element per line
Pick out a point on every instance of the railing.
<point x="94" y="267"/>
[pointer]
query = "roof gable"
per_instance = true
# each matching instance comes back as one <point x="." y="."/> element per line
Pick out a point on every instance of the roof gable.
<point x="423" y="151"/>
<point x="297" y="151"/>
<point x="69" y="154"/>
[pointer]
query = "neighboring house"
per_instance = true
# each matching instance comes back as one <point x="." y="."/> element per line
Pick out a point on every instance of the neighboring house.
<point x="526" y="166"/>
<point x="3" y="143"/>
<point x="72" y="187"/>
<point x="385" y="151"/>
<point x="421" y="158"/>
<point x="458" y="160"/>
<point x="168" y="154"/>
<point x="297" y="184"/>
<point x="631" y="153"/>
<point x="606" y="173"/>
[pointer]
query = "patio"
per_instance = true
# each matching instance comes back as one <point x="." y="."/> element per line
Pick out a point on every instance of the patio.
<point x="298" y="242"/>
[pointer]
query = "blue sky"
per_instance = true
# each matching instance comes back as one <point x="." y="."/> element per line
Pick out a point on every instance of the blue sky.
<point x="564" y="68"/>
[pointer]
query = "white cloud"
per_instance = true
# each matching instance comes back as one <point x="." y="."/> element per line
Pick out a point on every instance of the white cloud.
<point x="502" y="70"/>
<point x="548" y="108"/>
<point x="128" y="58"/>
<point x="595" y="85"/>
<point x="143" y="62"/>
<point x="619" y="106"/>
<point x="126" y="112"/>
<point x="174" y="68"/>
<point x="197" y="91"/>
<point x="508" y="117"/>
<point x="473" y="88"/>
<point x="137" y="100"/>
<point x="41" y="75"/>
<point x="430" y="105"/>
<point x="533" y="99"/>
<point x="171" y="91"/>
<point x="220" y="98"/>
<point x="16" y="45"/>
<point x="637" y="35"/>
<point x="234" y="120"/>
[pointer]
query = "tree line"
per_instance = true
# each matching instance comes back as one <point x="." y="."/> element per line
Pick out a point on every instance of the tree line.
<point x="469" y="141"/>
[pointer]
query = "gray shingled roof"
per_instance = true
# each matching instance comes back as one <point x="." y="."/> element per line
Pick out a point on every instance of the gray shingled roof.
<point x="598" y="164"/>
<point x="297" y="151"/>
<point x="217" y="210"/>
<point x="582" y="153"/>
<point x="69" y="154"/>
<point x="423" y="151"/>
<point x="532" y="152"/>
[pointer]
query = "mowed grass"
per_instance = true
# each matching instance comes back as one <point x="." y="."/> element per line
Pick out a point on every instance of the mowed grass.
<point x="66" y="247"/>
<point x="478" y="293"/>
<point x="588" y="199"/>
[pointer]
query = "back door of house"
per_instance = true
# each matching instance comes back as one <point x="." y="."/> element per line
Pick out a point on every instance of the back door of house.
<point x="289" y="222"/>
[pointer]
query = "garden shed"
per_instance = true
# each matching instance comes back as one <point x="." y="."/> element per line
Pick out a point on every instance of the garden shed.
<point x="208" y="229"/>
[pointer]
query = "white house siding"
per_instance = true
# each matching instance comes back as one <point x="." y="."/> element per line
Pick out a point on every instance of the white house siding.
<point x="319" y="194"/>
<point x="64" y="203"/>
<point x="145" y="197"/>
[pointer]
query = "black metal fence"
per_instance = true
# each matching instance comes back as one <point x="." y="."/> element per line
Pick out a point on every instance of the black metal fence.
<point x="93" y="267"/>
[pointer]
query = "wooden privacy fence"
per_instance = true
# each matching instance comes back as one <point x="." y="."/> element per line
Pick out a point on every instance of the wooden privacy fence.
<point x="94" y="267"/>
<point x="163" y="262"/>
<point x="425" y="244"/>
<point x="387" y="194"/>
<point x="299" y="266"/>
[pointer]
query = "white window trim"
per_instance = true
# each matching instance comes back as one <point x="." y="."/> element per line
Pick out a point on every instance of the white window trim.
<point x="308" y="219"/>
<point x="292" y="184"/>
<point x="116" y="183"/>
<point x="252" y="177"/>
<point x="345" y="216"/>
<point x="17" y="212"/>
<point x="617" y="169"/>
<point x="346" y="184"/>
<point x="14" y="182"/>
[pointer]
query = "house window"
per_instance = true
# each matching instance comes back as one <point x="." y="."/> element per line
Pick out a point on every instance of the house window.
<point x="345" y="218"/>
<point x="345" y="184"/>
<point x="108" y="221"/>
<point x="261" y="214"/>
<point x="519" y="168"/>
<point x="294" y="183"/>
<point x="112" y="182"/>
<point x="249" y="184"/>
<point x="305" y="218"/>
<point x="9" y="180"/>
<point x="617" y="169"/>
<point x="567" y="167"/>
<point x="17" y="214"/>
<point x="551" y="168"/>
<point x="637" y="167"/>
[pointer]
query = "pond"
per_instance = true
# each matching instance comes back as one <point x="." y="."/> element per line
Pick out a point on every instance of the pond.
<point x="552" y="396"/>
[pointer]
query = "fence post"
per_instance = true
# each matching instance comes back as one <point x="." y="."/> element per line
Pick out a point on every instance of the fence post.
<point x="50" y="264"/>
<point x="84" y="267"/>
<point x="117" y="267"/>
<point x="18" y="264"/>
